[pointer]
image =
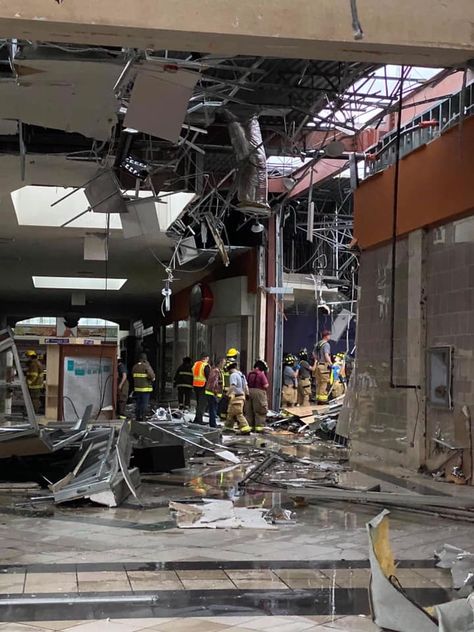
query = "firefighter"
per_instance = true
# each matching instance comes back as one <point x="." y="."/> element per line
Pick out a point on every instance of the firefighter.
<point x="34" y="378"/>
<point x="232" y="356"/>
<point x="143" y="379"/>
<point x="289" y="386"/>
<point x="237" y="392"/>
<point x="214" y="391"/>
<point x="322" y="367"/>
<point x="304" y="379"/>
<point x="183" y="381"/>
<point x="201" y="372"/>
<point x="337" y="379"/>
<point x="257" y="408"/>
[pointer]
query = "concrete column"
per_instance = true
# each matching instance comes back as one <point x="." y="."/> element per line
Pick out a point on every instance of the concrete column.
<point x="419" y="33"/>
<point x="415" y="353"/>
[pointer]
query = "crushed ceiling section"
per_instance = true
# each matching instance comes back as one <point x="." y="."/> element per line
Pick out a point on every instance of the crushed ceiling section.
<point x="74" y="96"/>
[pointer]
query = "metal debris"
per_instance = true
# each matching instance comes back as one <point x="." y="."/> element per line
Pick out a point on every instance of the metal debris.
<point x="218" y="514"/>
<point x="101" y="472"/>
<point x="461" y="564"/>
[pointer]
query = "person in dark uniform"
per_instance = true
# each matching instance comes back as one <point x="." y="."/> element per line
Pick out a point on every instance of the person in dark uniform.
<point x="123" y="388"/>
<point x="183" y="381"/>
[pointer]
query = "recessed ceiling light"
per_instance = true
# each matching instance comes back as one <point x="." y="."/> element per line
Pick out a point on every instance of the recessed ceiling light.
<point x="77" y="283"/>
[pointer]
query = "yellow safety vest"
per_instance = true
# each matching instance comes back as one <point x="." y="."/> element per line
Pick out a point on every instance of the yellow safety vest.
<point x="199" y="377"/>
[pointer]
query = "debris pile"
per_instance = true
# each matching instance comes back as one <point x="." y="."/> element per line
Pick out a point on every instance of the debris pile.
<point x="218" y="514"/>
<point x="392" y="609"/>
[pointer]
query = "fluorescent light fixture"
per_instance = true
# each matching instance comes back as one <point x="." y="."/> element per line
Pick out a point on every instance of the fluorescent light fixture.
<point x="77" y="283"/>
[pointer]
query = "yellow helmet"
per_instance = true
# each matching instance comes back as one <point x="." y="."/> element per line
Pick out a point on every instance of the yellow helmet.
<point x="31" y="353"/>
<point x="232" y="353"/>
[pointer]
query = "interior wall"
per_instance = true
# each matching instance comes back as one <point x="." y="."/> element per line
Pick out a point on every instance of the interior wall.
<point x="434" y="303"/>
<point x="379" y="417"/>
<point x="450" y="294"/>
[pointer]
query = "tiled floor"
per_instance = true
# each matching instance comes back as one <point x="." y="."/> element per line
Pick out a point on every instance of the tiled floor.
<point x="202" y="624"/>
<point x="243" y="579"/>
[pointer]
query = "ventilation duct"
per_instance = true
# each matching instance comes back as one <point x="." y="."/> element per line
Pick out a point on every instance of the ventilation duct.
<point x="246" y="138"/>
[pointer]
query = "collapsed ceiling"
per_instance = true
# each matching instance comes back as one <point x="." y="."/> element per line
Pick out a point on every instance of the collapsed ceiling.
<point x="161" y="122"/>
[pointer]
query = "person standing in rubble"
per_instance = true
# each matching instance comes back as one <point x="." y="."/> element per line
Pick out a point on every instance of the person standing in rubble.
<point x="237" y="392"/>
<point x="337" y="379"/>
<point x="34" y="378"/>
<point x="304" y="379"/>
<point x="183" y="381"/>
<point x="257" y="408"/>
<point x="143" y="379"/>
<point x="290" y="380"/>
<point x="232" y="356"/>
<point x="214" y="391"/>
<point x="201" y="372"/>
<point x="123" y="388"/>
<point x="323" y="367"/>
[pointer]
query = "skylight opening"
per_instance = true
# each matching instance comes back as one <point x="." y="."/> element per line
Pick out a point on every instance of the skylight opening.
<point x="77" y="283"/>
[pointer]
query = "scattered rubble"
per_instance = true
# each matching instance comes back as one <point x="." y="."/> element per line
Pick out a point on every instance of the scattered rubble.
<point x="391" y="608"/>
<point x="218" y="514"/>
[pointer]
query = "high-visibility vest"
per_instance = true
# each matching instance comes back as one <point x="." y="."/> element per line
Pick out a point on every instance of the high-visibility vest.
<point x="142" y="383"/>
<point x="199" y="377"/>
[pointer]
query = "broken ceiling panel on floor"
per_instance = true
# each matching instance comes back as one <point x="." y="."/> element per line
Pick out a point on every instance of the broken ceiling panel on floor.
<point x="74" y="96"/>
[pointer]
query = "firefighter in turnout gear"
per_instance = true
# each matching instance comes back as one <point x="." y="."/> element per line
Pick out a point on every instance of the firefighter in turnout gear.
<point x="143" y="378"/>
<point x="237" y="392"/>
<point x="304" y="379"/>
<point x="289" y="385"/>
<point x="34" y="378"/>
<point x="214" y="390"/>
<point x="337" y="380"/>
<point x="256" y="409"/>
<point x="323" y="367"/>
<point x="183" y="381"/>
<point x="232" y="356"/>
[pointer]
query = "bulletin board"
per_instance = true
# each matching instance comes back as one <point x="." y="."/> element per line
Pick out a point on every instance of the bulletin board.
<point x="88" y="377"/>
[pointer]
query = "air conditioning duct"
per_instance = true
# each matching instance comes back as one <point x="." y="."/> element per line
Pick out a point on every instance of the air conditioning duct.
<point x="246" y="138"/>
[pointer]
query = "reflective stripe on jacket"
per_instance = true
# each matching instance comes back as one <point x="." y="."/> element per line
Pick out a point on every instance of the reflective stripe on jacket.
<point x="142" y="378"/>
<point x="34" y="375"/>
<point x="215" y="383"/>
<point x="183" y="377"/>
<point x="199" y="376"/>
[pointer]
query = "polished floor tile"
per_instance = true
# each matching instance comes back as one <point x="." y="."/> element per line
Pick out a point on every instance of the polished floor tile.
<point x="348" y="578"/>
<point x="296" y="573"/>
<point x="205" y="574"/>
<point x="251" y="574"/>
<point x="350" y="624"/>
<point x="56" y="626"/>
<point x="441" y="577"/>
<point x="309" y="583"/>
<point x="112" y="586"/>
<point x="153" y="575"/>
<point x="97" y="576"/>
<point x="208" y="584"/>
<point x="410" y="579"/>
<point x="51" y="583"/>
<point x="260" y="584"/>
<point x="190" y="625"/>
<point x="12" y="583"/>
